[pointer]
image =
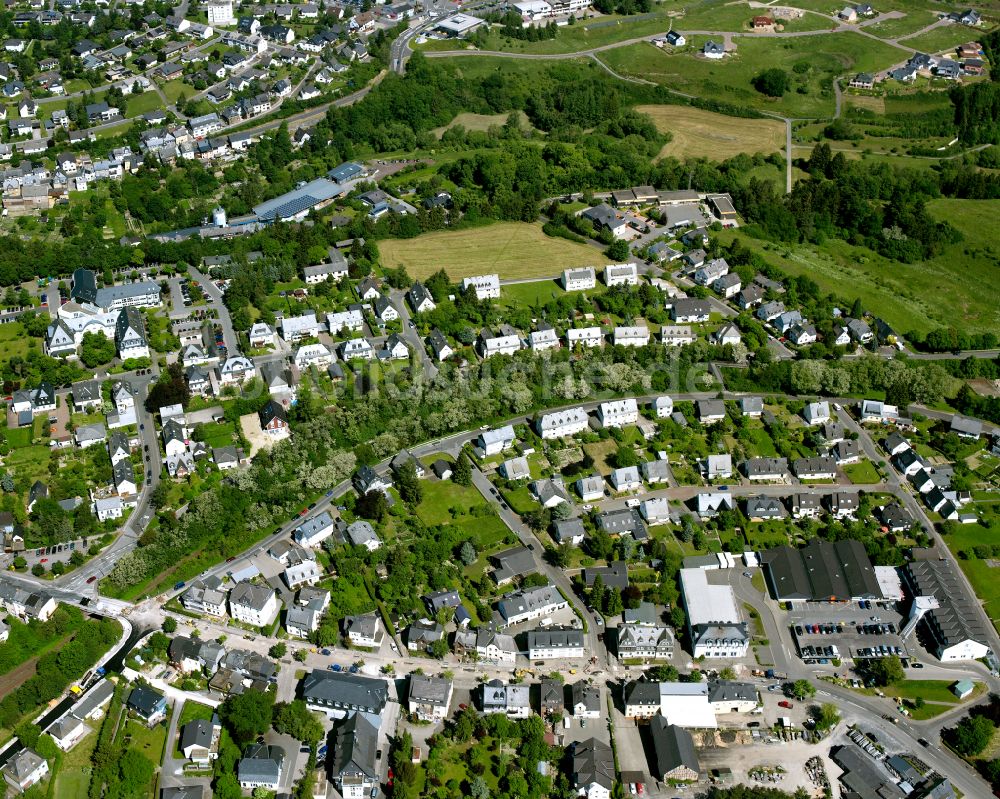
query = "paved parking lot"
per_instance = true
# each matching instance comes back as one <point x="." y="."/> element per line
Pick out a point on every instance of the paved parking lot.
<point x="849" y="630"/>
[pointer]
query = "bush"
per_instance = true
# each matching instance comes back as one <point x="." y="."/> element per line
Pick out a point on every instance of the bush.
<point x="772" y="82"/>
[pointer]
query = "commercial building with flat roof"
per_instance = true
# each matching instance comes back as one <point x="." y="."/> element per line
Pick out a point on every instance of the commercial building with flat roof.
<point x="715" y="624"/>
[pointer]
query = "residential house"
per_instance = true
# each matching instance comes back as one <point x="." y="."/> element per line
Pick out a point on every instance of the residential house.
<point x="364" y="630"/>
<point x="147" y="704"/>
<point x="260" y="767"/>
<point x="580" y="279"/>
<point x="621" y="275"/>
<point x="339" y="693"/>
<point x="252" y="604"/>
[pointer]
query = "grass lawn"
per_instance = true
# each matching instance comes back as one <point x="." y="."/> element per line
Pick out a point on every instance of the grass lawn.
<point x="915" y="20"/>
<point x="29" y="463"/>
<point x="945" y="291"/>
<point x="73" y="776"/>
<point x="928" y="690"/>
<point x="512" y="249"/>
<point x="946" y="37"/>
<point x="441" y="497"/>
<point x="601" y="451"/>
<point x="761" y="445"/>
<point x="480" y="122"/>
<point x="174" y="88"/>
<point x="705" y="134"/>
<point x="18" y="437"/>
<point x="13" y="340"/>
<point x="863" y="472"/>
<point x="520" y="499"/>
<point x="530" y="294"/>
<point x="820" y="59"/>
<point x="142" y="103"/>
<point x="218" y="435"/>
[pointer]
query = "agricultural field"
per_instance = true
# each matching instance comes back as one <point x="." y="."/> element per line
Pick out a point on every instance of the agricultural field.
<point x="941" y="292"/>
<point x="812" y="61"/>
<point x="514" y="250"/>
<point x="705" y="134"/>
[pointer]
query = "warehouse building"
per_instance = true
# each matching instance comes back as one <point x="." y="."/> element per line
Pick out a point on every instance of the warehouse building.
<point x="821" y="572"/>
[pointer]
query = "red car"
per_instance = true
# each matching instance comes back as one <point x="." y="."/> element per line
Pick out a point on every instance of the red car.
<point x="44" y="560"/>
<point x="785" y="704"/>
<point x="91" y="579"/>
<point x="303" y="512"/>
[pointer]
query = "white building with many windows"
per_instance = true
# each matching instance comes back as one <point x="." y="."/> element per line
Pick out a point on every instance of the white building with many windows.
<point x="560" y="424"/>
<point x="582" y="279"/>
<point x="618" y="413"/>
<point x="487" y="287"/>
<point x="716" y="627"/>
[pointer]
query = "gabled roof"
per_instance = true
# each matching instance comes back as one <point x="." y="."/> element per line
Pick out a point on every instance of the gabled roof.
<point x="355" y="748"/>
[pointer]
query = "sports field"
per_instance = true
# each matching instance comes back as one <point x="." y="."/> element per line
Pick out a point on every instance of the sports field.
<point x="514" y="250"/>
<point x="705" y="134"/>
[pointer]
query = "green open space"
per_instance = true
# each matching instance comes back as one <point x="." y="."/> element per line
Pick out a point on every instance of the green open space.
<point x="217" y="434"/>
<point x="945" y="291"/>
<point x="705" y="134"/>
<point x="946" y="37"/>
<point x="14" y="341"/>
<point x="811" y="61"/>
<point x="73" y="773"/>
<point x="914" y="20"/>
<point x="862" y="473"/>
<point x="142" y="103"/>
<point x="513" y="250"/>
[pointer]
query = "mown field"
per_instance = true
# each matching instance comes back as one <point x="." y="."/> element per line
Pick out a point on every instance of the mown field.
<point x="705" y="134"/>
<point x="514" y="250"/>
<point x="479" y="122"/>
<point x="945" y="291"/>
<point x="812" y="61"/>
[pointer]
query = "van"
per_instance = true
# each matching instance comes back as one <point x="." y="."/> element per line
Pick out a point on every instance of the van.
<point x="566" y="723"/>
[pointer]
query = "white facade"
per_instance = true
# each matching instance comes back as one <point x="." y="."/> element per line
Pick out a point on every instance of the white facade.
<point x="582" y="279"/>
<point x="635" y="336"/>
<point x="220" y="12"/>
<point x="254" y="605"/>
<point x="559" y="424"/>
<point x="351" y="320"/>
<point x="585" y="337"/>
<point x="621" y="275"/>
<point x="676" y="335"/>
<point x="664" y="406"/>
<point x="618" y="413"/>
<point x="487" y="287"/>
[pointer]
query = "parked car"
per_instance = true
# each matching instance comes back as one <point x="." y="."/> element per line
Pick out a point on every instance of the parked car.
<point x="785" y="704"/>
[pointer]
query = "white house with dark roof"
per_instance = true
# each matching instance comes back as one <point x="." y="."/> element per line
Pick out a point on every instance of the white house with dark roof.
<point x="420" y="298"/>
<point x="252" y="604"/>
